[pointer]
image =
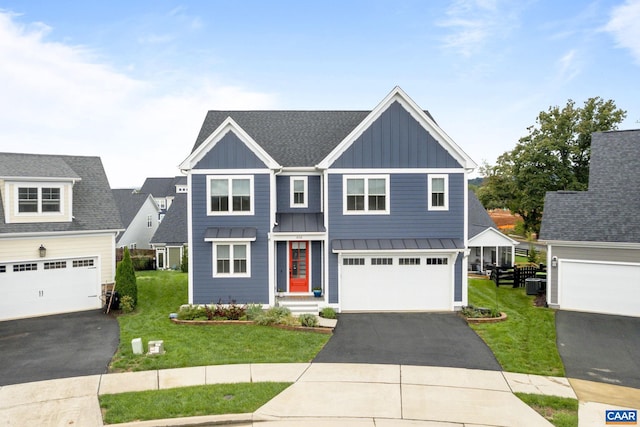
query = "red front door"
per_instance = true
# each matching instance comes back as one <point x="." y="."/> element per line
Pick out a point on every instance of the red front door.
<point x="298" y="266"/>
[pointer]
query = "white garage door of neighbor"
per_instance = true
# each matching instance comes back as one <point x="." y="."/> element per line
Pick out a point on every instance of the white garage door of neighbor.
<point x="598" y="287"/>
<point x="367" y="285"/>
<point x="37" y="288"/>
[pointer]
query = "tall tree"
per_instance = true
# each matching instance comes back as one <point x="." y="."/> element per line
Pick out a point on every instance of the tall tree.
<point x="554" y="156"/>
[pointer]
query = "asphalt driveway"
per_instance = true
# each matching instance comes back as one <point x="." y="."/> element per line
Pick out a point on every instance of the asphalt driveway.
<point x="60" y="346"/>
<point x="426" y="339"/>
<point x="598" y="347"/>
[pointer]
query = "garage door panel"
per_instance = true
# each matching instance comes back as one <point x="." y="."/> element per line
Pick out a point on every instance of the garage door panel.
<point x="60" y="288"/>
<point x="609" y="288"/>
<point x="395" y="287"/>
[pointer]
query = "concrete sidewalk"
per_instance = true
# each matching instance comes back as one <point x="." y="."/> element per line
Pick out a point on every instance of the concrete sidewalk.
<point x="322" y="394"/>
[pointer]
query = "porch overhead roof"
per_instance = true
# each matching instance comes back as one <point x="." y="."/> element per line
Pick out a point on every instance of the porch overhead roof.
<point x="395" y="244"/>
<point x="299" y="223"/>
<point x="230" y="233"/>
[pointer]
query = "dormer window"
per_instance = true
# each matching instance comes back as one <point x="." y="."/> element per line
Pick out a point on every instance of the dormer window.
<point x="39" y="199"/>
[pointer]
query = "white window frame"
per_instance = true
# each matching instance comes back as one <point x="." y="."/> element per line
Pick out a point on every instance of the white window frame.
<point x="305" y="190"/>
<point x="39" y="187"/>
<point x="149" y="221"/>
<point x="230" y="179"/>
<point x="366" y="211"/>
<point x="231" y="245"/>
<point x="430" y="179"/>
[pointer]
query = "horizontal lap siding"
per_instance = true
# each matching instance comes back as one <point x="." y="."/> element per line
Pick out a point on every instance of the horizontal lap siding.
<point x="283" y="188"/>
<point x="409" y="218"/>
<point x="206" y="288"/>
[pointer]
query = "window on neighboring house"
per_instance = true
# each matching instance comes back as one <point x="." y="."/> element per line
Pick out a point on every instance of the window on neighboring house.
<point x="230" y="195"/>
<point x="50" y="200"/>
<point x="438" y="192"/>
<point x="39" y="199"/>
<point x="298" y="192"/>
<point x="149" y="221"/>
<point x="366" y="194"/>
<point x="162" y="204"/>
<point x="27" y="199"/>
<point x="231" y="259"/>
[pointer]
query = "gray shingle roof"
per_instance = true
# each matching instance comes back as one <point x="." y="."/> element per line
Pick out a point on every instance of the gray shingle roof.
<point x="128" y="203"/>
<point x="609" y="210"/>
<point x="173" y="228"/>
<point x="479" y="219"/>
<point x="93" y="205"/>
<point x="162" y="187"/>
<point x="292" y="138"/>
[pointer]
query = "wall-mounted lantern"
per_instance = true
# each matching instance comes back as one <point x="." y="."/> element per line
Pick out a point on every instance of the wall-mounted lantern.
<point x="554" y="261"/>
<point x="43" y="251"/>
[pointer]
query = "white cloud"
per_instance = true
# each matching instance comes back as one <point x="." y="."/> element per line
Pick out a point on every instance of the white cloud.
<point x="569" y="66"/>
<point x="624" y="27"/>
<point x="58" y="98"/>
<point x="474" y="22"/>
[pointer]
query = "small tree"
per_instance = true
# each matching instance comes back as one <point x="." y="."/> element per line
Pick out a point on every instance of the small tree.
<point x="184" y="264"/>
<point x="126" y="278"/>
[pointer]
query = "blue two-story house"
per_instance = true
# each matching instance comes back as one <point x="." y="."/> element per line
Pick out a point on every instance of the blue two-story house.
<point x="370" y="207"/>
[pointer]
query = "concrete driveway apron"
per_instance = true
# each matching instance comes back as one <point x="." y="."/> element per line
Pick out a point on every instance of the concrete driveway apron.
<point x="425" y="339"/>
<point x="59" y="346"/>
<point x="598" y="347"/>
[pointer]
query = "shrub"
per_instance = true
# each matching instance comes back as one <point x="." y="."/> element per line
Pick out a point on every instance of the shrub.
<point x="143" y="262"/>
<point x="184" y="263"/>
<point x="126" y="304"/>
<point x="308" y="320"/>
<point x="126" y="278"/>
<point x="193" y="312"/>
<point x="275" y="316"/>
<point x="253" y="311"/>
<point x="328" y="313"/>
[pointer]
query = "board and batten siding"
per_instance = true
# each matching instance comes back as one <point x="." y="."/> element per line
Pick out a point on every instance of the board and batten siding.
<point x="101" y="245"/>
<point x="396" y="140"/>
<point x="585" y="254"/>
<point x="283" y="188"/>
<point x="206" y="288"/>
<point x="230" y="153"/>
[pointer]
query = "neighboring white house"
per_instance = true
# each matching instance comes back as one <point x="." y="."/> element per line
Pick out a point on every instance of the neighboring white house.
<point x="139" y="214"/>
<point x="58" y="224"/>
<point x="487" y="245"/>
<point x="170" y="240"/>
<point x="593" y="236"/>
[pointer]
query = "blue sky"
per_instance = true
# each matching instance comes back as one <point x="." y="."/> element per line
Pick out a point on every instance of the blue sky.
<point x="131" y="81"/>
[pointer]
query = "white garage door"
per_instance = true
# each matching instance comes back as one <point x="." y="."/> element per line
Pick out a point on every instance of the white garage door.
<point x="392" y="282"/>
<point x="610" y="288"/>
<point x="36" y="288"/>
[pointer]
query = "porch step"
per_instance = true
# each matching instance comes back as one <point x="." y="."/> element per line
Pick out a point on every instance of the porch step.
<point x="298" y="307"/>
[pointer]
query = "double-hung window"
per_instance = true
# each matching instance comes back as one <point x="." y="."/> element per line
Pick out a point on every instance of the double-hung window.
<point x="299" y="187"/>
<point x="230" y="195"/>
<point x="366" y="194"/>
<point x="231" y="259"/>
<point x="39" y="200"/>
<point x="438" y="192"/>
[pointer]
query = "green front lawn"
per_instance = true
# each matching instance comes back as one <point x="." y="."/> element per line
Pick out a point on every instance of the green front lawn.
<point x="161" y="293"/>
<point x="526" y="341"/>
<point x="188" y="401"/>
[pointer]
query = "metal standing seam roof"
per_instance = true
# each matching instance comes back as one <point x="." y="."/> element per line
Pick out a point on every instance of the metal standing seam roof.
<point x="396" y="244"/>
<point x="299" y="223"/>
<point x="225" y="233"/>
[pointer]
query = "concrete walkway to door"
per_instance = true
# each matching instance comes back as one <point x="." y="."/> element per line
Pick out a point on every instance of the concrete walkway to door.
<point x="423" y="339"/>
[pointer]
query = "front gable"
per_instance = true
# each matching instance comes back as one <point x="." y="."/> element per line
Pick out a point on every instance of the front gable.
<point x="229" y="147"/>
<point x="396" y="140"/>
<point x="397" y="133"/>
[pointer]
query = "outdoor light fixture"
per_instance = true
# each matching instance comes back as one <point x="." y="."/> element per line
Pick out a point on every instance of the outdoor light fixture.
<point x="43" y="251"/>
<point x="554" y="261"/>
